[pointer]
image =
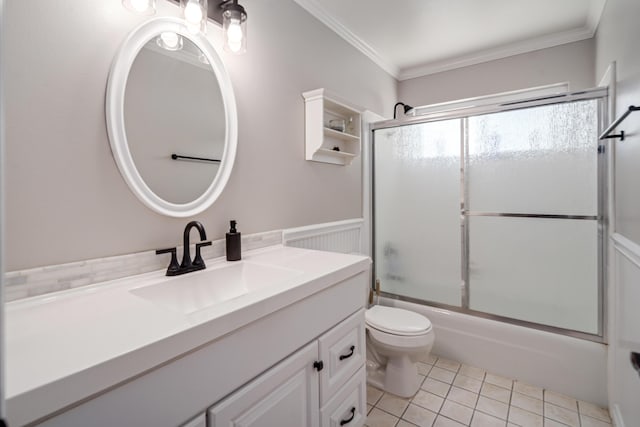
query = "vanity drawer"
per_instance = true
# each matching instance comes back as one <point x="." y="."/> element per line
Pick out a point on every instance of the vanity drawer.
<point x="342" y="351"/>
<point x="348" y="408"/>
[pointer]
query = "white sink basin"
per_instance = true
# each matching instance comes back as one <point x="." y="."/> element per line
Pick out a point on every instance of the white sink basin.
<point x="196" y="291"/>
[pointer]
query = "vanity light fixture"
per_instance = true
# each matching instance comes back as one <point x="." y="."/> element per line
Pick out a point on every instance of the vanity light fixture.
<point x="142" y="7"/>
<point x="170" y="41"/>
<point x="194" y="13"/>
<point x="234" y="27"/>
<point x="228" y="13"/>
<point x="406" y="107"/>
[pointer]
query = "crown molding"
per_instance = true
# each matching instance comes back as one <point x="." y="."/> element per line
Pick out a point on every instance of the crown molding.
<point x="525" y="46"/>
<point x="315" y="9"/>
<point x="501" y="52"/>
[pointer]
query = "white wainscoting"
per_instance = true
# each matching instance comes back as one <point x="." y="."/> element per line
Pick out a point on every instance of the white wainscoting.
<point x="624" y="336"/>
<point x="340" y="236"/>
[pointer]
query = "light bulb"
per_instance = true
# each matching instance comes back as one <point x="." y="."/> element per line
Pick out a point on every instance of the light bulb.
<point x="234" y="32"/>
<point x="146" y="7"/>
<point x="193" y="13"/>
<point x="139" y="5"/>
<point x="170" y="41"/>
<point x="234" y="36"/>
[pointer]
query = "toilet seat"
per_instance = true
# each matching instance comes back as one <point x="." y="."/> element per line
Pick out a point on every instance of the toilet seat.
<point x="397" y="321"/>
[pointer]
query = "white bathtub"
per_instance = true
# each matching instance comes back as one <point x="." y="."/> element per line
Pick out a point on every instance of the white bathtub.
<point x="556" y="362"/>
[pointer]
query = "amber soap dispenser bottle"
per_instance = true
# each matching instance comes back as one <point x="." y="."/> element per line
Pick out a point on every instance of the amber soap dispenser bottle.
<point x="233" y="243"/>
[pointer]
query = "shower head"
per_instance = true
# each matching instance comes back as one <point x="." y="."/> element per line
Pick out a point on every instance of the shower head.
<point x="406" y="107"/>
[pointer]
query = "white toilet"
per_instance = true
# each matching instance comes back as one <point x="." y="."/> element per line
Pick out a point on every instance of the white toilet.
<point x="396" y="340"/>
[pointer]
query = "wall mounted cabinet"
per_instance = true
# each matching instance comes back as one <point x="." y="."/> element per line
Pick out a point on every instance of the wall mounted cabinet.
<point x="332" y="128"/>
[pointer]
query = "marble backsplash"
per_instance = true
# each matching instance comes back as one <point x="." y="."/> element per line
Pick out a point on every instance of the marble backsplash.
<point x="42" y="280"/>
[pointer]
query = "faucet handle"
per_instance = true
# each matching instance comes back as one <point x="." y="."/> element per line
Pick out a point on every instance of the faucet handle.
<point x="198" y="261"/>
<point x="174" y="267"/>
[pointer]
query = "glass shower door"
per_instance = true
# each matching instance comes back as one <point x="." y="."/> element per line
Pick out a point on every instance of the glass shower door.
<point x="532" y="209"/>
<point x="417" y="210"/>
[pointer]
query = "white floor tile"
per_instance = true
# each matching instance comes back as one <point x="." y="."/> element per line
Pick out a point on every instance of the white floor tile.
<point x="524" y="418"/>
<point x="419" y="416"/>
<point x="499" y="381"/>
<point x="562" y="415"/>
<point x="594" y="411"/>
<point x="435" y="387"/>
<point x="373" y="395"/>
<point x="476" y="398"/>
<point x="483" y="420"/>
<point x="472" y="371"/>
<point x="448" y="364"/>
<point x="561" y="400"/>
<point x="456" y="411"/>
<point x="527" y="403"/>
<point x="492" y="407"/>
<point x="463" y="397"/>
<point x="428" y="358"/>
<point x="496" y="393"/>
<point x="378" y="418"/>
<point x="393" y="404"/>
<point x="424" y="368"/>
<point x="528" y="389"/>
<point x="442" y="375"/>
<point x="550" y="423"/>
<point x="592" y="422"/>
<point x="446" y="422"/>
<point x="467" y="383"/>
<point x="428" y="400"/>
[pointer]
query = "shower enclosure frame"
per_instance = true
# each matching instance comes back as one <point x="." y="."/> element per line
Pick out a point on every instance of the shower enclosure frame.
<point x="603" y="187"/>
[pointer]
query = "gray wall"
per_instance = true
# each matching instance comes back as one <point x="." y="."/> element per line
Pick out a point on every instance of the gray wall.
<point x="573" y="63"/>
<point x="66" y="201"/>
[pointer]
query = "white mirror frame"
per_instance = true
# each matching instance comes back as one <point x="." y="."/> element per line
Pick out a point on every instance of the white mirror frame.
<point x="116" y="127"/>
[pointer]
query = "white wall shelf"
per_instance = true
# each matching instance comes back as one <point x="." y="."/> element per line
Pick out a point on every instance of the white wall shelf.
<point x="324" y="144"/>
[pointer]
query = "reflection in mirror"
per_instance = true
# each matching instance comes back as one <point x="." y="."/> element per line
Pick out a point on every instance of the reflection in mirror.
<point x="173" y="105"/>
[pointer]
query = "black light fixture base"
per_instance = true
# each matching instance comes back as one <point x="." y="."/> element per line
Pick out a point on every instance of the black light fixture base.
<point x="214" y="9"/>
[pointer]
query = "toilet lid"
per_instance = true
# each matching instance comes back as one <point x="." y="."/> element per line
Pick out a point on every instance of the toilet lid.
<point x="397" y="321"/>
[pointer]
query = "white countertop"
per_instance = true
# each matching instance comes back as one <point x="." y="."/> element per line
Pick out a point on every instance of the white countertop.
<point x="63" y="347"/>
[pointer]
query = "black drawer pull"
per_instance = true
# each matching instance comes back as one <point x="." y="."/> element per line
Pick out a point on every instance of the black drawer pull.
<point x="353" y="414"/>
<point x="346" y="356"/>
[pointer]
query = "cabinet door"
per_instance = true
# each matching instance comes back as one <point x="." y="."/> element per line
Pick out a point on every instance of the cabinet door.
<point x="285" y="395"/>
<point x="348" y="408"/>
<point x="342" y="351"/>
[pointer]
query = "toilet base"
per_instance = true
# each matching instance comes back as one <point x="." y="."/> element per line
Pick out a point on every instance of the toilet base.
<point x="399" y="376"/>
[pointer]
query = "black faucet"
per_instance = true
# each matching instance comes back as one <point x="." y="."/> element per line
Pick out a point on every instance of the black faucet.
<point x="187" y="266"/>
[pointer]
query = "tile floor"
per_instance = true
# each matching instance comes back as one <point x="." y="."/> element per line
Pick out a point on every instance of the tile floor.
<point x="455" y="395"/>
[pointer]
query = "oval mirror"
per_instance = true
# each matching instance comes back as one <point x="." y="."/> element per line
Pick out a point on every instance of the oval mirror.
<point x="171" y="118"/>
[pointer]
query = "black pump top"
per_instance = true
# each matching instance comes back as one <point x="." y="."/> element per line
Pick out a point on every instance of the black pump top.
<point x="233" y="226"/>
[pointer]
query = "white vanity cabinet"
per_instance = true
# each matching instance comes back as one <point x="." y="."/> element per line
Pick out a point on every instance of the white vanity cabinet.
<point x="263" y="374"/>
<point x="322" y="384"/>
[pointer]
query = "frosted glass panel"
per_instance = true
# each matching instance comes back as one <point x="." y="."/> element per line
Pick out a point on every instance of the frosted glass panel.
<point x="539" y="270"/>
<point x="537" y="160"/>
<point x="417" y="211"/>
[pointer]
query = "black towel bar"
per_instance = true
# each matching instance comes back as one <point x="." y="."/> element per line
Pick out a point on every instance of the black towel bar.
<point x="200" y="159"/>
<point x="612" y="126"/>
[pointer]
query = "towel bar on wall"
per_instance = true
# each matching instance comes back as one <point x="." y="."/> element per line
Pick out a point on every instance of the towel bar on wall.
<point x="201" y="159"/>
<point x="612" y="126"/>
